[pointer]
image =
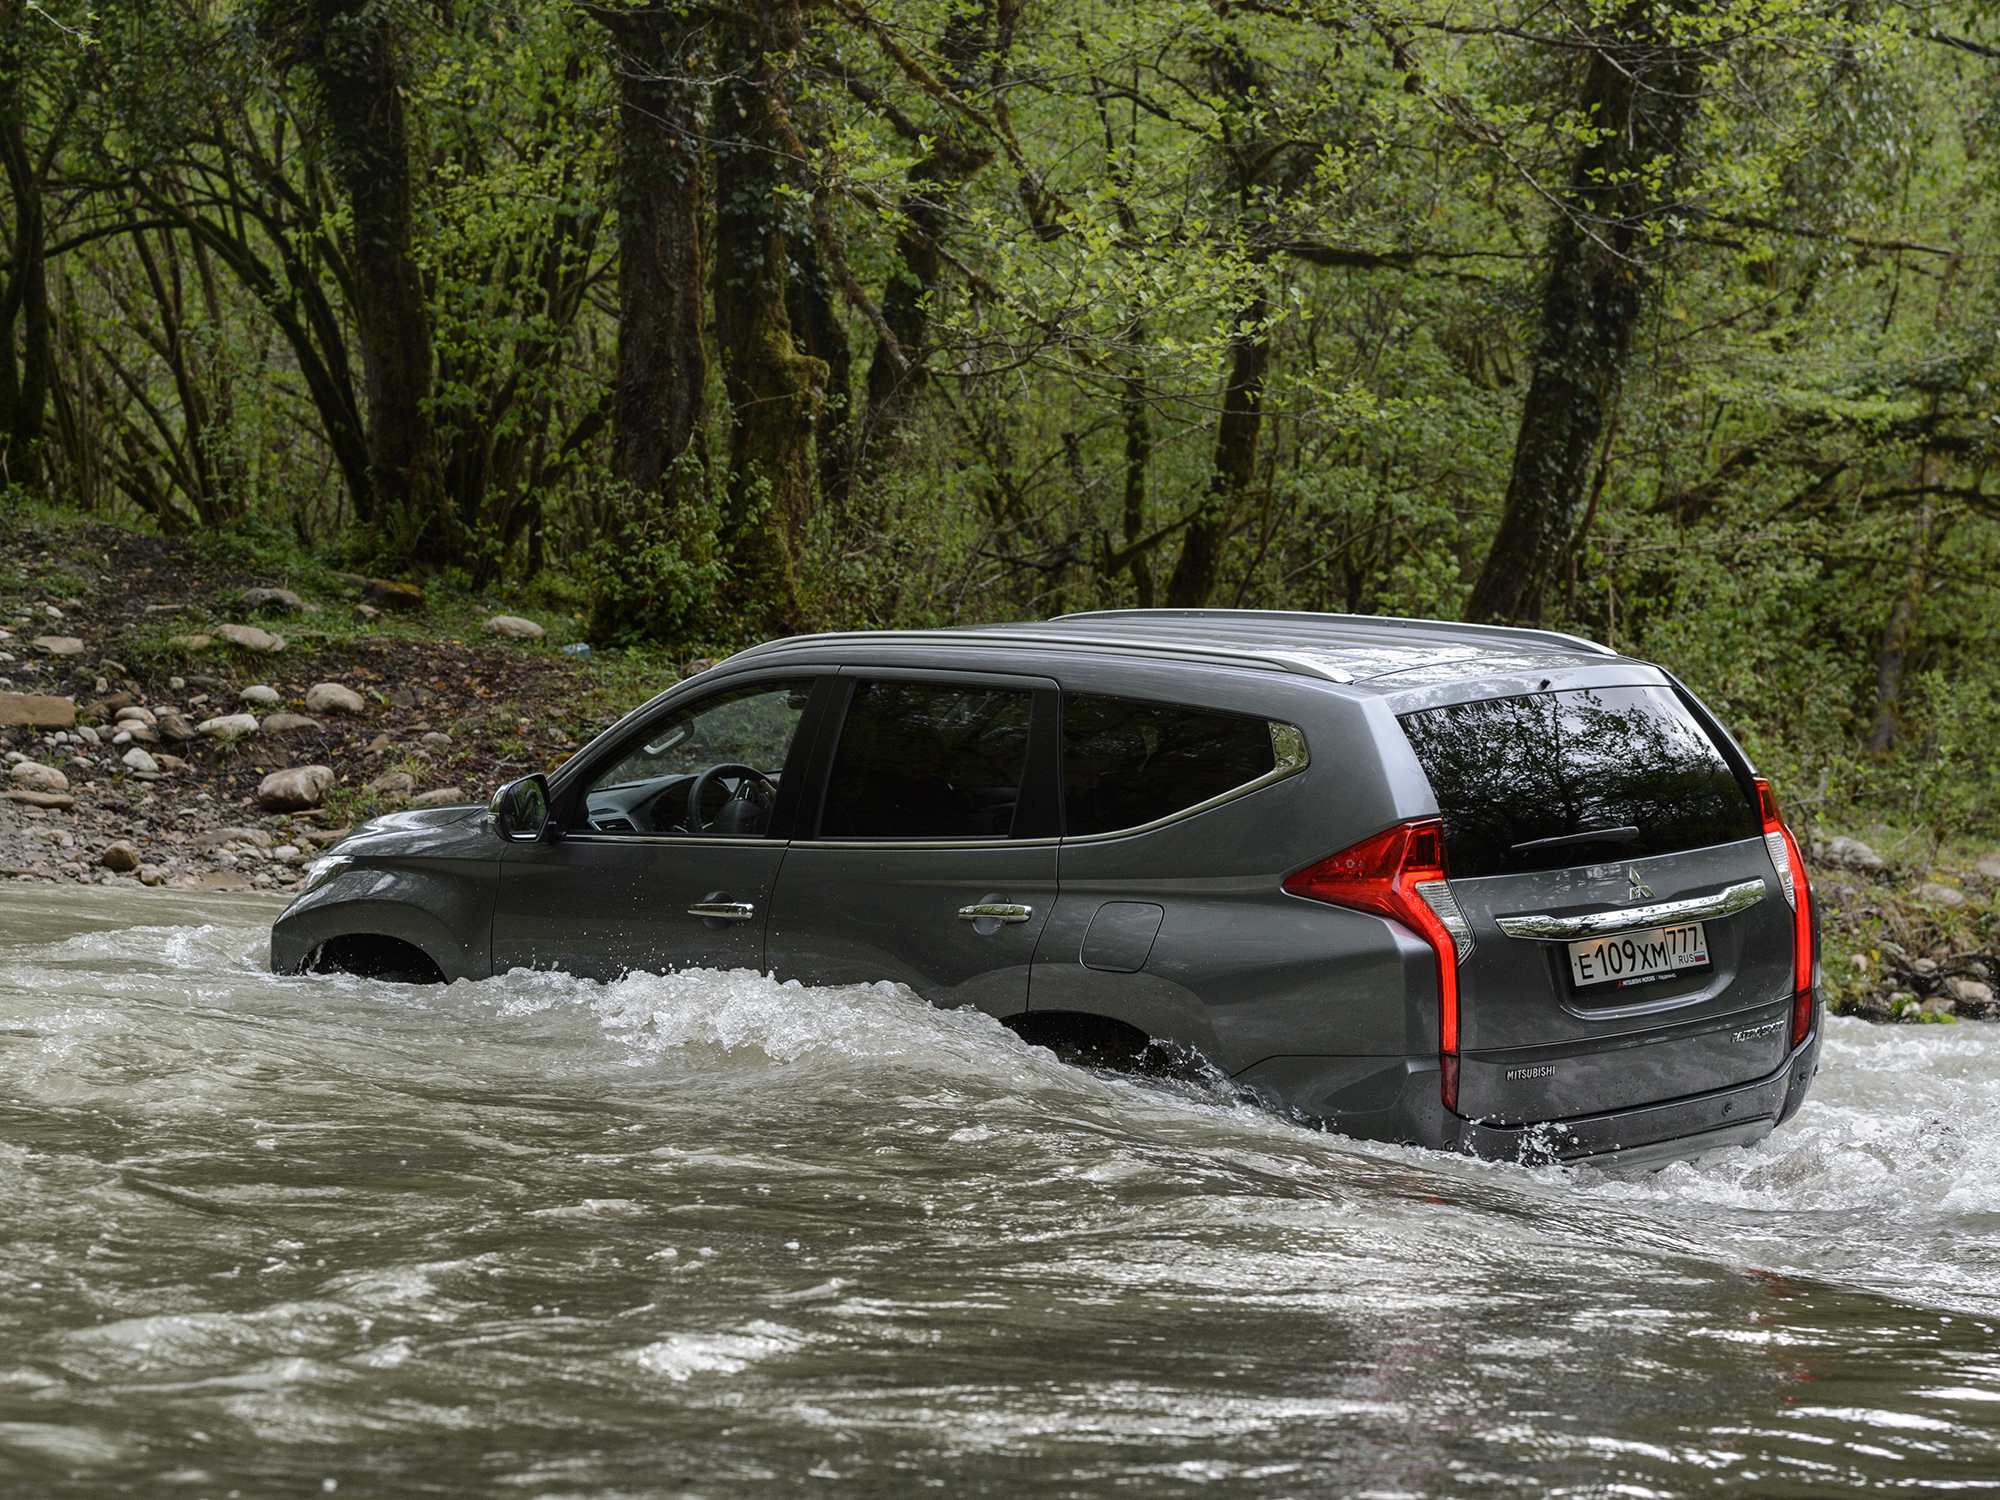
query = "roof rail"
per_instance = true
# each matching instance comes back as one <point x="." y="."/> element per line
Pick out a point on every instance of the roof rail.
<point x="1458" y="630"/>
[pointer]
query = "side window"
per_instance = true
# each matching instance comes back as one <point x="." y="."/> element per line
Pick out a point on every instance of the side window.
<point x="711" y="768"/>
<point x="927" y="760"/>
<point x="1127" y="763"/>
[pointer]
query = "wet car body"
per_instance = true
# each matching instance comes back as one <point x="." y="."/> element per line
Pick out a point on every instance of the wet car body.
<point x="1140" y="826"/>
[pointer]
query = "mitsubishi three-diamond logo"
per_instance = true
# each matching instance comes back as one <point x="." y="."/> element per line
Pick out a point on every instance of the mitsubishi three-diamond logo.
<point x="1636" y="889"/>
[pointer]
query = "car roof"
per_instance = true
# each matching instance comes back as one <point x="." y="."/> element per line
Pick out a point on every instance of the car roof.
<point x="1379" y="651"/>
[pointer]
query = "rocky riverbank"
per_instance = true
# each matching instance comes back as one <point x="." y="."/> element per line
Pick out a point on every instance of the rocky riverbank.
<point x="169" y="721"/>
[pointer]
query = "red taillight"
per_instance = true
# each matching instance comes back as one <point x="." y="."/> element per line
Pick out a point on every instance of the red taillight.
<point x="1399" y="874"/>
<point x="1791" y="870"/>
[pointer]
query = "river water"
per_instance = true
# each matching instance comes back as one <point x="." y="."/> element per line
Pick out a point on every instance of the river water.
<point x="710" y="1236"/>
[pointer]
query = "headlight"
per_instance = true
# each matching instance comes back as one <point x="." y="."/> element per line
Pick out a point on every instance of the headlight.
<point x="323" y="869"/>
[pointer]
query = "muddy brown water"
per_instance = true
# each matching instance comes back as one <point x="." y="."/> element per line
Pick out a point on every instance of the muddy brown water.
<point x="707" y="1235"/>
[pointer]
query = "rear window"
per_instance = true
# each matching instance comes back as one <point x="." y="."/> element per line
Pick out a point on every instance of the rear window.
<point x="1549" y="780"/>
<point x="1128" y="763"/>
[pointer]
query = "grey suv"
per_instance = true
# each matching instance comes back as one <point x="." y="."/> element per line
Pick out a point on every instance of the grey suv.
<point x="1495" y="891"/>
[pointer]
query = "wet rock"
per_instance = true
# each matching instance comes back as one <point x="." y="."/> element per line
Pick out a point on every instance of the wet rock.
<point x="121" y="856"/>
<point x="176" y="728"/>
<point x="1969" y="991"/>
<point x="290" y="724"/>
<point x="399" y="596"/>
<point x="33" y="776"/>
<point x="295" y="789"/>
<point x="332" y="698"/>
<point x="152" y="875"/>
<point x="261" y="693"/>
<point x="234" y="835"/>
<point x="1853" y="854"/>
<point x="1933" y="894"/>
<point x="513" y="628"/>
<point x="250" y="638"/>
<point x="394" y="784"/>
<point x="107" y="707"/>
<point x="136" y="759"/>
<point x="133" y="712"/>
<point x="442" y="797"/>
<point x="190" y="642"/>
<point x="35" y="711"/>
<point x="269" y="598"/>
<point x="229" y="726"/>
<point x="436" y="737"/>
<point x="59" y="645"/>
<point x="52" y="801"/>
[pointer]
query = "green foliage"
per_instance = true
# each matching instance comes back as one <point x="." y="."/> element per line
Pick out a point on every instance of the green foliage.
<point x="1076" y="225"/>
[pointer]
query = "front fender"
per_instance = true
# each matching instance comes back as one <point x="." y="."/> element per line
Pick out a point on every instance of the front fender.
<point x="446" y="909"/>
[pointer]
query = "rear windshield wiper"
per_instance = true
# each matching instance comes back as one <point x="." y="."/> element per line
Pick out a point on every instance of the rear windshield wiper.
<point x="1626" y="835"/>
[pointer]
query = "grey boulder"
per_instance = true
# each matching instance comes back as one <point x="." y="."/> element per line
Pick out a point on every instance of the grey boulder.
<point x="295" y="789"/>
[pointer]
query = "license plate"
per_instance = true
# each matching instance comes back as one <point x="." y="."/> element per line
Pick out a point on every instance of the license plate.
<point x="1633" y="958"/>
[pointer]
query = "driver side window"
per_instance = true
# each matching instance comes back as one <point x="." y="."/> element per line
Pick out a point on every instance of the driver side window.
<point x="710" y="769"/>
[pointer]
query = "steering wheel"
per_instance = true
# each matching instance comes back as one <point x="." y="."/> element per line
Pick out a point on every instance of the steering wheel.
<point x="697" y="793"/>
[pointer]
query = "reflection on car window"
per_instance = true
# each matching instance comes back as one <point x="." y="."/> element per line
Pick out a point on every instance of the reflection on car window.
<point x="737" y="733"/>
<point x="1127" y="763"/>
<point x="1549" y="780"/>
<point x="925" y="760"/>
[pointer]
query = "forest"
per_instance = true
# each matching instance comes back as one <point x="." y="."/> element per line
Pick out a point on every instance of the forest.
<point x="1669" y="322"/>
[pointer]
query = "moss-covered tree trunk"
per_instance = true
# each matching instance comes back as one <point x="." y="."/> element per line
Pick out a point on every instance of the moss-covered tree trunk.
<point x="1640" y="94"/>
<point x="774" y="388"/>
<point x="1193" y="581"/>
<point x="661" y="383"/>
<point x="353" y="50"/>
<point x="26" y="360"/>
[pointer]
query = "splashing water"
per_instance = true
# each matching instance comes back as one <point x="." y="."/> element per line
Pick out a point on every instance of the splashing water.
<point x="711" y="1235"/>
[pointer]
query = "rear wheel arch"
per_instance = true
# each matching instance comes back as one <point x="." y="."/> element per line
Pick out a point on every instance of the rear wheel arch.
<point x="1085" y="1039"/>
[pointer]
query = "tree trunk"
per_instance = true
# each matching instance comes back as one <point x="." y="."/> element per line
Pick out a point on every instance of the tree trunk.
<point x="1927" y="532"/>
<point x="662" y="378"/>
<point x="1193" y="581"/>
<point x="25" y="369"/>
<point x="353" y="51"/>
<point x="1138" y="455"/>
<point x="1642" y="93"/>
<point x="774" y="390"/>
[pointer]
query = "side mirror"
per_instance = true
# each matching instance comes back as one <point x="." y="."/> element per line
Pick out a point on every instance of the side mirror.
<point x="520" y="809"/>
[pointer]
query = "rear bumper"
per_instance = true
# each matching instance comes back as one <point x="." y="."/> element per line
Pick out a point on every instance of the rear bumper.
<point x="1397" y="1099"/>
<point x="1657" y="1133"/>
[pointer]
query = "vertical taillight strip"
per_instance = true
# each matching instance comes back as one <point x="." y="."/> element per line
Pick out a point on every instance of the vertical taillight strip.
<point x="1399" y="874"/>
<point x="1791" y="869"/>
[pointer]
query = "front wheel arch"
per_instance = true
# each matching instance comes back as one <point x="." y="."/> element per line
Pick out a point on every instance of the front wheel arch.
<point x="374" y="955"/>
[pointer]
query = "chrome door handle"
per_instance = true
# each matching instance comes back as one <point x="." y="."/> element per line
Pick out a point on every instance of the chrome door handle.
<point x="995" y="911"/>
<point x="723" y="911"/>
<point x="1739" y="897"/>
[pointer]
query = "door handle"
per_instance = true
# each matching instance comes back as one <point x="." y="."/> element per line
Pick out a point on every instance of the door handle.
<point x="723" y="911"/>
<point x="995" y="911"/>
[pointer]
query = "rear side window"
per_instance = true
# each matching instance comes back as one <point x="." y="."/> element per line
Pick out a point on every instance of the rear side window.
<point x="1127" y="763"/>
<point x="1549" y="780"/>
<point x="928" y="760"/>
